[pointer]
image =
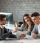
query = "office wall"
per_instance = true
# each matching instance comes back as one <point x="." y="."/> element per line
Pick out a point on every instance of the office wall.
<point x="20" y="7"/>
<point x="0" y="5"/>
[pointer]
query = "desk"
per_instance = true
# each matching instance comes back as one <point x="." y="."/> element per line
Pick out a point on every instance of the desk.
<point x="30" y="40"/>
<point x="22" y="41"/>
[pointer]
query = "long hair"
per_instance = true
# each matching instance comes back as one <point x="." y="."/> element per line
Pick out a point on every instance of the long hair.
<point x="25" y="25"/>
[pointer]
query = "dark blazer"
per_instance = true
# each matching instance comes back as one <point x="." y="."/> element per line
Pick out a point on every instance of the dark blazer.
<point x="6" y="34"/>
<point x="4" y="30"/>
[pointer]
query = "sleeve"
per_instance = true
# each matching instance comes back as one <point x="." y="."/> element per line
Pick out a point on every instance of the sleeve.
<point x="35" y="30"/>
<point x="39" y="35"/>
<point x="21" y="28"/>
<point x="6" y="30"/>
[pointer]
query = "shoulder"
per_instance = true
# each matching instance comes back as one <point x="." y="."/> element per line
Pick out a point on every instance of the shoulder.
<point x="35" y="26"/>
<point x="5" y="28"/>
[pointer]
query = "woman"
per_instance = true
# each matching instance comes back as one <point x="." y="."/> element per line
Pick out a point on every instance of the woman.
<point x="27" y="24"/>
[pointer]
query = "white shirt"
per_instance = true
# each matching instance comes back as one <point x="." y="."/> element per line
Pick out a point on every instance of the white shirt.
<point x="39" y="29"/>
<point x="2" y="28"/>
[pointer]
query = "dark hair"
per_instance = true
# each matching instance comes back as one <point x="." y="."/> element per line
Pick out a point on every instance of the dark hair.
<point x="35" y="14"/>
<point x="26" y="15"/>
<point x="2" y="16"/>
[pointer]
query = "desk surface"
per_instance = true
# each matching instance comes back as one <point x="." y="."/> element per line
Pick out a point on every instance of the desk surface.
<point x="21" y="41"/>
<point x="28" y="39"/>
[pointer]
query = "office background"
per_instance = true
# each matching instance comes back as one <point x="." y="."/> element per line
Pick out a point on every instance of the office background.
<point x="19" y="7"/>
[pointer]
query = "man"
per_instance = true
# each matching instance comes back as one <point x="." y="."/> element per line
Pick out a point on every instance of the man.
<point x="3" y="31"/>
<point x="35" y="19"/>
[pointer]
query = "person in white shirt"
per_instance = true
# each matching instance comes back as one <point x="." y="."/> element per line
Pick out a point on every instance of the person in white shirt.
<point x="36" y="30"/>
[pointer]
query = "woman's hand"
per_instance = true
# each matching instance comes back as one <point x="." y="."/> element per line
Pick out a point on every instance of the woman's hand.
<point x="22" y="36"/>
<point x="15" y="30"/>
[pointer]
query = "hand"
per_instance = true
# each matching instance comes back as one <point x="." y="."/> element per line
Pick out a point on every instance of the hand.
<point x="22" y="36"/>
<point x="35" y="36"/>
<point x="15" y="30"/>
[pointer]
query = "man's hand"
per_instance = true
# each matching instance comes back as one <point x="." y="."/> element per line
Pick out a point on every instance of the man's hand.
<point x="35" y="36"/>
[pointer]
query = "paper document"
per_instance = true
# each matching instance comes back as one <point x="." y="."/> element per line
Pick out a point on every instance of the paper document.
<point x="21" y="32"/>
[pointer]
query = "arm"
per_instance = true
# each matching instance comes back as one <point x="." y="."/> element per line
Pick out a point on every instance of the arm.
<point x="18" y="29"/>
<point x="35" y="32"/>
<point x="5" y="30"/>
<point x="39" y="35"/>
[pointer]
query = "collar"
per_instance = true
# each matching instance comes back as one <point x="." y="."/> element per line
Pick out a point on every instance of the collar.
<point x="1" y="26"/>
